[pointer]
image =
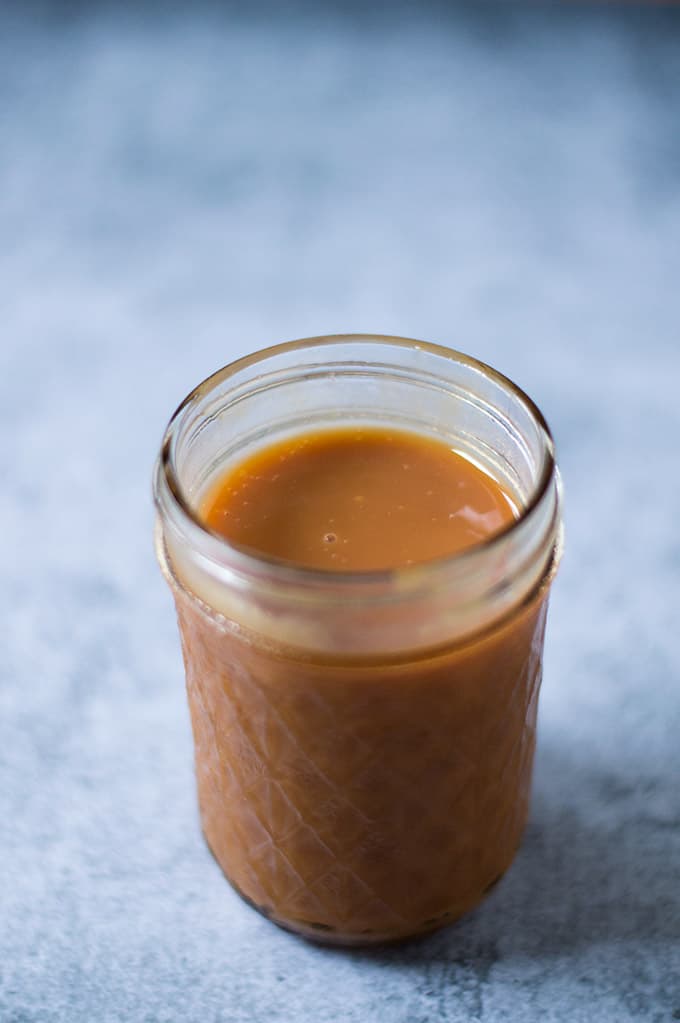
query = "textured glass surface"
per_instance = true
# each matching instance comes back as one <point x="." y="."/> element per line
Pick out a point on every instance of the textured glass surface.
<point x="362" y="803"/>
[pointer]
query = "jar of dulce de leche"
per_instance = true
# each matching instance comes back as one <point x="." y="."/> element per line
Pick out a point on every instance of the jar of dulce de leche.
<point x="364" y="731"/>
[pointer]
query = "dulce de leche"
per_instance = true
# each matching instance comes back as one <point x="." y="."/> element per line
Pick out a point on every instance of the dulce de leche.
<point x="355" y="796"/>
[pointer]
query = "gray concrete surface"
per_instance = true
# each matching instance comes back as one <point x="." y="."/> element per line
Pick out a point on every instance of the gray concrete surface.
<point x="182" y="187"/>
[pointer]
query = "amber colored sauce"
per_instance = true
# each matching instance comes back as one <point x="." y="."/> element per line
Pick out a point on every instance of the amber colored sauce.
<point x="357" y="800"/>
<point x="357" y="499"/>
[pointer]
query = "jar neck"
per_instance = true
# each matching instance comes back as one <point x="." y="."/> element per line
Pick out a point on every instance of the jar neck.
<point x="391" y="382"/>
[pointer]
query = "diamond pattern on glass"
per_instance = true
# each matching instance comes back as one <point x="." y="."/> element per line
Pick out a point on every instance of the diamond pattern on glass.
<point x="362" y="807"/>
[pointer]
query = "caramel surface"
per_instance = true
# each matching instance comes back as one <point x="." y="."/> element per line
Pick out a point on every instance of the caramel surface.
<point x="357" y="499"/>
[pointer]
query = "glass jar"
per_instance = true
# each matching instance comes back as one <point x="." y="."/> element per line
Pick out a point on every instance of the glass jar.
<point x="363" y="741"/>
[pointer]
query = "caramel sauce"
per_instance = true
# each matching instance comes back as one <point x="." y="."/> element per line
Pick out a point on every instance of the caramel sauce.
<point x="357" y="499"/>
<point x="358" y="801"/>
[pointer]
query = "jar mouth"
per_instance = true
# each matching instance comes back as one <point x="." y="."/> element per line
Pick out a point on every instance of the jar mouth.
<point x="249" y="562"/>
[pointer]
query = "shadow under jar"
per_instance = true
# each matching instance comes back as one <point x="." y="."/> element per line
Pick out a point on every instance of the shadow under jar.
<point x="364" y="741"/>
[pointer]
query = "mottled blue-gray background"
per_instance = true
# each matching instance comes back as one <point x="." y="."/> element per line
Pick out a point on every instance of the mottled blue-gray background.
<point x="182" y="184"/>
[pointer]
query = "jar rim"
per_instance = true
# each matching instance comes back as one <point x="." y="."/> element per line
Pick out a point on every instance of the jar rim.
<point x="247" y="561"/>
